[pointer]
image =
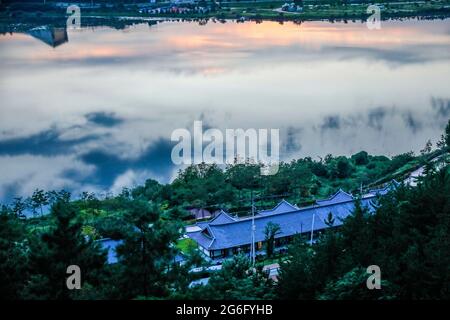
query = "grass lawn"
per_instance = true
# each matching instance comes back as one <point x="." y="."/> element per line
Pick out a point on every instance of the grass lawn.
<point x="186" y="245"/>
<point x="269" y="261"/>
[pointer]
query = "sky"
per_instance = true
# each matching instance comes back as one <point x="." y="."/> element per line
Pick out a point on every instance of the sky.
<point x="96" y="113"/>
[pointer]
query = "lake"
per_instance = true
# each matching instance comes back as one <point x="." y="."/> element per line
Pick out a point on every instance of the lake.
<point x="94" y="109"/>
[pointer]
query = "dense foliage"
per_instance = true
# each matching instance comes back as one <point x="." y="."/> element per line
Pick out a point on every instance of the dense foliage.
<point x="408" y="238"/>
<point x="236" y="280"/>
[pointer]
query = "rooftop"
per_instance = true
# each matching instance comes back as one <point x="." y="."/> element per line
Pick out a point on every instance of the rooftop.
<point x="281" y="207"/>
<point x="228" y="234"/>
<point x="338" y="197"/>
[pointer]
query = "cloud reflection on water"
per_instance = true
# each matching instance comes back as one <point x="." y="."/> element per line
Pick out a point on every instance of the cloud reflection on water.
<point x="97" y="112"/>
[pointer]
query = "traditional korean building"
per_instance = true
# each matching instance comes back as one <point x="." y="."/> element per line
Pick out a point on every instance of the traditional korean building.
<point x="226" y="235"/>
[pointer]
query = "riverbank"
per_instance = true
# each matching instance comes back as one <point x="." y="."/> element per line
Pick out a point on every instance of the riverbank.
<point x="233" y="10"/>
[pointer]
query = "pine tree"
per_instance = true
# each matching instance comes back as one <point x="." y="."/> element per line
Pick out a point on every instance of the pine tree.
<point x="147" y="253"/>
<point x="270" y="232"/>
<point x="38" y="200"/>
<point x="13" y="255"/>
<point x="297" y="279"/>
<point x="235" y="281"/>
<point x="352" y="286"/>
<point x="54" y="251"/>
<point x="447" y="134"/>
<point x="356" y="237"/>
<point x="18" y="207"/>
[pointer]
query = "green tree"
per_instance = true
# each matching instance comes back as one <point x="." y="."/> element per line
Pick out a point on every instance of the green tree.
<point x="361" y="158"/>
<point x="427" y="149"/>
<point x="343" y="168"/>
<point x="328" y="252"/>
<point x="447" y="134"/>
<point x="38" y="200"/>
<point x="237" y="280"/>
<point x="406" y="236"/>
<point x="297" y="279"/>
<point x="146" y="257"/>
<point x="319" y="169"/>
<point x="270" y="232"/>
<point x="151" y="190"/>
<point x="18" y="207"/>
<point x="13" y="255"/>
<point x="444" y="142"/>
<point x="53" y="251"/>
<point x="352" y="286"/>
<point x="356" y="238"/>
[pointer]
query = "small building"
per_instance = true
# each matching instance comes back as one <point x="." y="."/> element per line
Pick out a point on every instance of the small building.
<point x="272" y="271"/>
<point x="52" y="36"/>
<point x="202" y="213"/>
<point x="291" y="7"/>
<point x="199" y="282"/>
<point x="178" y="2"/>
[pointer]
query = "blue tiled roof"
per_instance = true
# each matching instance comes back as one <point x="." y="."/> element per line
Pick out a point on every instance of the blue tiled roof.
<point x="222" y="218"/>
<point x="238" y="233"/>
<point x="282" y="207"/>
<point x="338" y="197"/>
<point x="202" y="224"/>
<point x="382" y="191"/>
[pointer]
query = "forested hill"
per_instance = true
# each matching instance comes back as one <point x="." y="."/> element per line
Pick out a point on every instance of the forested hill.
<point x="300" y="181"/>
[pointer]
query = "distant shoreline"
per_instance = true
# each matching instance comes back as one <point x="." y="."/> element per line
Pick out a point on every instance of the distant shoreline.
<point x="13" y="25"/>
<point x="238" y="11"/>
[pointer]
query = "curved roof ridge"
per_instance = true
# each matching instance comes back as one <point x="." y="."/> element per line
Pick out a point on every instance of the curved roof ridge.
<point x="287" y="202"/>
<point x="288" y="212"/>
<point x="211" y="233"/>
<point x="300" y="221"/>
<point x="332" y="197"/>
<point x="283" y="201"/>
<point x="211" y="243"/>
<point x="224" y="214"/>
<point x="299" y="209"/>
<point x="338" y="192"/>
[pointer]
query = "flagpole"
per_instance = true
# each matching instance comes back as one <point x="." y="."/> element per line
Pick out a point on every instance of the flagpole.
<point x="253" y="232"/>
<point x="312" y="227"/>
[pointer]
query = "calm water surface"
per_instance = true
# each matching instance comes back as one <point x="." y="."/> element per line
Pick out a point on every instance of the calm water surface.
<point x="96" y="113"/>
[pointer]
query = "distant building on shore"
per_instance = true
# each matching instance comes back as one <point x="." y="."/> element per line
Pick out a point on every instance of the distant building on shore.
<point x="52" y="36"/>
<point x="184" y="1"/>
